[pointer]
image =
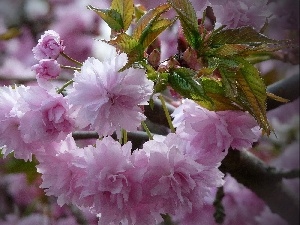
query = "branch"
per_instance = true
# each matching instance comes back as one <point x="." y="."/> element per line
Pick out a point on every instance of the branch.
<point x="137" y="138"/>
<point x="263" y="180"/>
<point x="287" y="88"/>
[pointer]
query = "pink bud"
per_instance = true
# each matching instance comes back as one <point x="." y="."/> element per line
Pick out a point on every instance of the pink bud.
<point x="49" y="46"/>
<point x="47" y="69"/>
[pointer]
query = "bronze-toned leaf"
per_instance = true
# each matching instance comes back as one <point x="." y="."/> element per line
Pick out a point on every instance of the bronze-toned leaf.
<point x="126" y="10"/>
<point x="189" y="22"/>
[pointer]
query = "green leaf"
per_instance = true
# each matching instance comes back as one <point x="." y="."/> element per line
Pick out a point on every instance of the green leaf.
<point x="149" y="26"/>
<point x="242" y="35"/>
<point x="126" y="9"/>
<point x="112" y="17"/>
<point x="182" y="81"/>
<point x="230" y="49"/>
<point x="139" y="11"/>
<point x="124" y="43"/>
<point x="213" y="63"/>
<point x="229" y="82"/>
<point x="243" y="50"/>
<point x="252" y="93"/>
<point x="161" y="82"/>
<point x="228" y="68"/>
<point x="189" y="22"/>
<point x="216" y="93"/>
<point x="157" y="28"/>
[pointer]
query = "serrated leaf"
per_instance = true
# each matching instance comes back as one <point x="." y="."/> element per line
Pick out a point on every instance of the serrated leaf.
<point x="215" y="91"/>
<point x="157" y="28"/>
<point x="112" y="17"/>
<point x="229" y="82"/>
<point x="146" y="22"/>
<point x="182" y="81"/>
<point x="243" y="35"/>
<point x="230" y="49"/>
<point x="126" y="10"/>
<point x="139" y="11"/>
<point x="252" y="89"/>
<point x="189" y="22"/>
<point x="124" y="43"/>
<point x="213" y="64"/>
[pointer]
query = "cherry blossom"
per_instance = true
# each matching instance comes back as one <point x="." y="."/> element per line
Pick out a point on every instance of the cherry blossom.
<point x="49" y="46"/>
<point x="106" y="99"/>
<point x="47" y="69"/>
<point x="212" y="133"/>
<point x="59" y="173"/>
<point x="45" y="116"/>
<point x="235" y="14"/>
<point x="10" y="136"/>
<point x="205" y="131"/>
<point x="173" y="180"/>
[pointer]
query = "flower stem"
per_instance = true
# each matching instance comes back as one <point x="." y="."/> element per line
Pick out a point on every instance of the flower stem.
<point x="163" y="103"/>
<point x="124" y="134"/>
<point x="69" y="67"/>
<point x="60" y="90"/>
<point x="147" y="130"/>
<point x="71" y="59"/>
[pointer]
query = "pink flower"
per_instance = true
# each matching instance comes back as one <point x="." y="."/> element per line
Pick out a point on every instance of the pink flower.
<point x="242" y="127"/>
<point x="45" y="116"/>
<point x="110" y="186"/>
<point x="236" y="14"/>
<point x="10" y="135"/>
<point x="174" y="182"/>
<point x="107" y="99"/>
<point x="205" y="131"/>
<point x="209" y="134"/>
<point x="49" y="46"/>
<point x="59" y="174"/>
<point x="47" y="69"/>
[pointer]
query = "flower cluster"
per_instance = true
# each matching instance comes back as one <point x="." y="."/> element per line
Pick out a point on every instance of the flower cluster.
<point x="123" y="187"/>
<point x="176" y="174"/>
<point x="48" y="49"/>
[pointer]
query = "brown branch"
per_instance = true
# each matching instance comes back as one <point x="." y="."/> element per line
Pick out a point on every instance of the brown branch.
<point x="264" y="181"/>
<point x="287" y="88"/>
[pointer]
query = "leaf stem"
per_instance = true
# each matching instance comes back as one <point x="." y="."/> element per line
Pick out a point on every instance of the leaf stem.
<point x="71" y="59"/>
<point x="163" y="103"/>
